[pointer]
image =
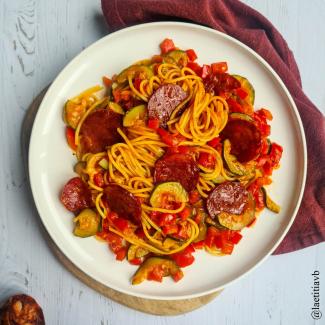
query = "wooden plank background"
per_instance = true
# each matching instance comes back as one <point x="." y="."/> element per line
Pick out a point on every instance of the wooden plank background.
<point x="37" y="39"/>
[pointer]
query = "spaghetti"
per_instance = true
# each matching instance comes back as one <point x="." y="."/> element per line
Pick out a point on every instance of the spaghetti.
<point x="171" y="159"/>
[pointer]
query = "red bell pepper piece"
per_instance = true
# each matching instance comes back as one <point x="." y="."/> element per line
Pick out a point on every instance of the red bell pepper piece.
<point x="215" y="142"/>
<point x="166" y="219"/>
<point x="191" y="54"/>
<point x="136" y="261"/>
<point x="207" y="160"/>
<point x="234" y="106"/>
<point x="107" y="82"/>
<point x="153" y="124"/>
<point x="206" y="70"/>
<point x="167" y="45"/>
<point x="185" y="213"/>
<point x="70" y="135"/>
<point x="194" y="197"/>
<point x="195" y="67"/>
<point x="99" y="180"/>
<point x="121" y="253"/>
<point x="167" y="137"/>
<point x="236" y="237"/>
<point x="169" y="229"/>
<point x="198" y="245"/>
<point x="219" y="67"/>
<point x="185" y="257"/>
<point x="241" y="93"/>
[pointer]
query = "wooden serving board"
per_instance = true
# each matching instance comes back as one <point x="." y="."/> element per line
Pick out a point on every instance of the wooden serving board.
<point x="156" y="307"/>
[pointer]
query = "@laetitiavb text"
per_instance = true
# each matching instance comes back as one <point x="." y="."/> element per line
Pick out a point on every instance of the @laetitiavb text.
<point x="315" y="309"/>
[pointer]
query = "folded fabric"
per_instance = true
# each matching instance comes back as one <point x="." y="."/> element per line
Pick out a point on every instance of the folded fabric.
<point x="250" y="27"/>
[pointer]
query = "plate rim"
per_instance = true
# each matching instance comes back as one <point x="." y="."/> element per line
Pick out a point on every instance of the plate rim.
<point x="293" y="107"/>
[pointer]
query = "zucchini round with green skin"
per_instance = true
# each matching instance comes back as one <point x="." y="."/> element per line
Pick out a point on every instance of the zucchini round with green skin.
<point x="231" y="161"/>
<point x="134" y="115"/>
<point x="168" y="266"/>
<point x="238" y="221"/>
<point x="87" y="223"/>
<point x="132" y="71"/>
<point x="241" y="116"/>
<point x="166" y="192"/>
<point x="178" y="57"/>
<point x="269" y="203"/>
<point x="247" y="86"/>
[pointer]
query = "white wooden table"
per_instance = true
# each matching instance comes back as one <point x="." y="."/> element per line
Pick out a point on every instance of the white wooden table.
<point x="37" y="39"/>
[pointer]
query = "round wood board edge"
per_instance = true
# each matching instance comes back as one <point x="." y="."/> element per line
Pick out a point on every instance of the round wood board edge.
<point x="150" y="306"/>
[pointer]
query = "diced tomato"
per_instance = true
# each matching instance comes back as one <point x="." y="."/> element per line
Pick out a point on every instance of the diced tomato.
<point x="234" y="106"/>
<point x="275" y="154"/>
<point x="206" y="71"/>
<point x="195" y="67"/>
<point x="191" y="54"/>
<point x="111" y="216"/>
<point x="157" y="59"/>
<point x="219" y="67"/>
<point x="212" y="234"/>
<point x="167" y="45"/>
<point x="182" y="231"/>
<point x="227" y="247"/>
<point x="166" y="219"/>
<point x="198" y="245"/>
<point x="70" y="135"/>
<point x="136" y="261"/>
<point x="107" y="82"/>
<point x="169" y="229"/>
<point x="121" y="253"/>
<point x="156" y="274"/>
<point x="236" y="237"/>
<point x="241" y="93"/>
<point x="140" y="233"/>
<point x="194" y="197"/>
<point x="185" y="257"/>
<point x="207" y="160"/>
<point x="153" y="124"/>
<point x="218" y="242"/>
<point x="99" y="180"/>
<point x="178" y="276"/>
<point x="185" y="213"/>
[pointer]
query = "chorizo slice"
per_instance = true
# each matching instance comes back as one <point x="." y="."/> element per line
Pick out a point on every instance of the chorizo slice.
<point x="227" y="197"/>
<point x="245" y="139"/>
<point x="99" y="130"/>
<point x="163" y="101"/>
<point x="124" y="203"/>
<point x="21" y="309"/>
<point x="177" y="168"/>
<point x="76" y="195"/>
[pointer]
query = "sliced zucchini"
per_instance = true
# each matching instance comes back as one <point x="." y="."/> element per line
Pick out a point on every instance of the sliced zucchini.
<point x="241" y="116"/>
<point x="178" y="57"/>
<point x="219" y="179"/>
<point x="134" y="114"/>
<point x="135" y="251"/>
<point x="238" y="221"/>
<point x="269" y="203"/>
<point x="73" y="112"/>
<point x="231" y="161"/>
<point x="132" y="71"/>
<point x="248" y="87"/>
<point x="116" y="108"/>
<point x="87" y="223"/>
<point x="168" y="192"/>
<point x="103" y="163"/>
<point x="168" y="266"/>
<point x="169" y="242"/>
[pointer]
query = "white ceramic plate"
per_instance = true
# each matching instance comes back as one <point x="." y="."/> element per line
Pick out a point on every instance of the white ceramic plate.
<point x="51" y="162"/>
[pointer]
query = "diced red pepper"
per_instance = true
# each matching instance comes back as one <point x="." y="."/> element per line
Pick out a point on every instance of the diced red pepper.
<point x="185" y="257"/>
<point x="185" y="213"/>
<point x="182" y="231"/>
<point x="99" y="180"/>
<point x="157" y="59"/>
<point x="211" y="235"/>
<point x="206" y="70"/>
<point x="198" y="245"/>
<point x="166" y="219"/>
<point x="191" y="54"/>
<point x="169" y="229"/>
<point x="137" y="82"/>
<point x="121" y="224"/>
<point x="265" y="113"/>
<point x="194" y="196"/>
<point x="107" y="82"/>
<point x="178" y="276"/>
<point x="167" y="45"/>
<point x="234" y="106"/>
<point x="219" y="67"/>
<point x="136" y="261"/>
<point x="153" y="124"/>
<point x="195" y="67"/>
<point x="168" y="138"/>
<point x="241" y="93"/>
<point x="207" y="160"/>
<point x="227" y="247"/>
<point x="156" y="274"/>
<point x="140" y="233"/>
<point x="236" y="237"/>
<point x="70" y="135"/>
<point x="275" y="154"/>
<point x="121" y="253"/>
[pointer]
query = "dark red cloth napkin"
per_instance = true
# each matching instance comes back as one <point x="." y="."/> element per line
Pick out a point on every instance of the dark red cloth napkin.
<point x="250" y="27"/>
